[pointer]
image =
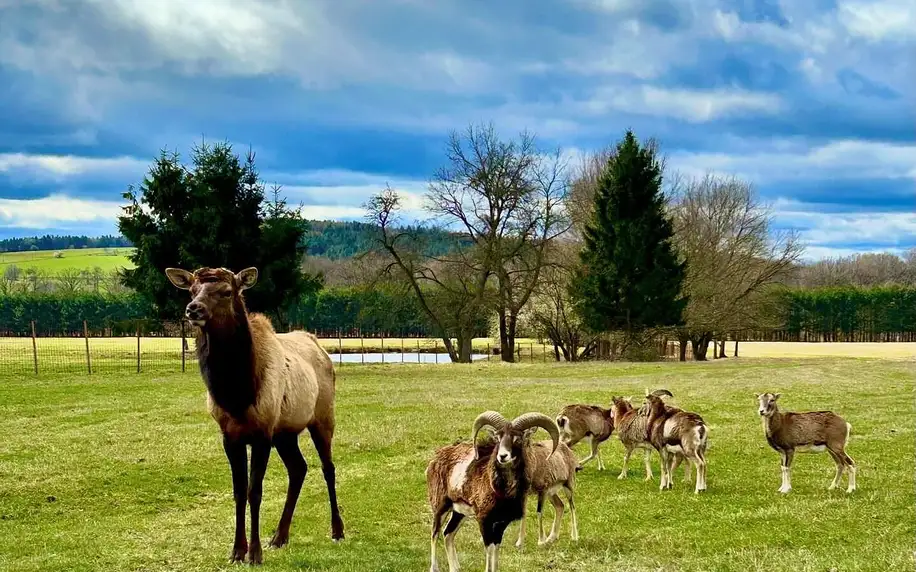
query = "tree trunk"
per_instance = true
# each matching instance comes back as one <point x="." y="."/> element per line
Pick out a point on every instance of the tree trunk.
<point x="736" y="347"/>
<point x="464" y="347"/>
<point x="556" y="351"/>
<point x="450" y="348"/>
<point x="506" y="336"/>
<point x="722" y="350"/>
<point x="683" y="340"/>
<point x="700" y="345"/>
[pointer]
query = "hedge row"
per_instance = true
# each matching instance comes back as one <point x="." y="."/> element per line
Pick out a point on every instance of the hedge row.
<point x="349" y="312"/>
<point x="829" y="314"/>
<point x="850" y="313"/>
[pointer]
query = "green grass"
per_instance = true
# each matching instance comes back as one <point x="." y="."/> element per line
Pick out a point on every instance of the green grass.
<point x="77" y="258"/>
<point x="126" y="472"/>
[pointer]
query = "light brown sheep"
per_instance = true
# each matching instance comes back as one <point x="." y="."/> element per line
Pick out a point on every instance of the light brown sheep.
<point x="263" y="389"/>
<point x="549" y="473"/>
<point x="590" y="422"/>
<point x="809" y="432"/>
<point x="673" y="431"/>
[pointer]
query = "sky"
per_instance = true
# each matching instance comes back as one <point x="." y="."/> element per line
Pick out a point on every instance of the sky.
<point x="813" y="101"/>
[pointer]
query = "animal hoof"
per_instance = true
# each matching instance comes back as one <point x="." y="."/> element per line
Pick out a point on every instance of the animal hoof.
<point x="850" y="490"/>
<point x="255" y="556"/>
<point x="621" y="476"/>
<point x="279" y="540"/>
<point x="238" y="553"/>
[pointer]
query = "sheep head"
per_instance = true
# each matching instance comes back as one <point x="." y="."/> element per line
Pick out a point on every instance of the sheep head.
<point x="512" y="436"/>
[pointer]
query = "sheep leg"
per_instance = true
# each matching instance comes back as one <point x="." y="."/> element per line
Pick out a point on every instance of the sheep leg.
<point x="521" y="528"/>
<point x="591" y="446"/>
<point x="438" y="513"/>
<point x="787" y="456"/>
<point x="626" y="461"/>
<point x="664" y="466"/>
<point x="287" y="445"/>
<point x="699" y="461"/>
<point x="574" y="524"/>
<point x="648" y="459"/>
<point x="597" y="453"/>
<point x="557" y="516"/>
<point x="238" y="464"/>
<point x="840" y="467"/>
<point x="322" y="435"/>
<point x="492" y="533"/>
<point x="540" y="518"/>
<point x="451" y="528"/>
<point x="851" y="468"/>
<point x="260" y="455"/>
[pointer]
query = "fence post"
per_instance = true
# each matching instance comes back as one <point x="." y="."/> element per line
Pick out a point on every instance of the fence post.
<point x="138" y="347"/>
<point x="383" y="348"/>
<point x="34" y="348"/>
<point x="418" y="350"/>
<point x="362" y="349"/>
<point x="339" y="347"/>
<point x="402" y="347"/>
<point x="544" y="351"/>
<point x="86" y="337"/>
<point x="436" y="350"/>
<point x="182" y="346"/>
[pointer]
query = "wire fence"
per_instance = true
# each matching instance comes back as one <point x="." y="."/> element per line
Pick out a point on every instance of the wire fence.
<point x="173" y="349"/>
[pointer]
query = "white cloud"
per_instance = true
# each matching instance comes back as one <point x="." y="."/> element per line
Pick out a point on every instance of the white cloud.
<point x="60" y="167"/>
<point x="877" y="20"/>
<point x="57" y="211"/>
<point x="696" y="106"/>
<point x="788" y="160"/>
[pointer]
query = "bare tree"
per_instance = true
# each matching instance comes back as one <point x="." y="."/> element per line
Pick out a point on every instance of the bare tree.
<point x="69" y="281"/>
<point x="509" y="200"/>
<point x="452" y="294"/>
<point x="550" y="312"/>
<point x="868" y="269"/>
<point x="733" y="255"/>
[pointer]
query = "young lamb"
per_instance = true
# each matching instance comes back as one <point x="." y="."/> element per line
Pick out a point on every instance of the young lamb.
<point x="596" y="424"/>
<point x="808" y="432"/>
<point x="548" y="474"/>
<point x="673" y="431"/>
<point x="489" y="482"/>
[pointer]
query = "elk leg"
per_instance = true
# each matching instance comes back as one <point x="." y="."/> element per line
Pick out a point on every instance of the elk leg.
<point x="260" y="455"/>
<point x="322" y="435"/>
<point x="238" y="464"/>
<point x="287" y="445"/>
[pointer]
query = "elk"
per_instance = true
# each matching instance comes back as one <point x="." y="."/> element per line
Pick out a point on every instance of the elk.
<point x="673" y="431"/>
<point x="263" y="390"/>
<point x="489" y="482"/>
<point x="808" y="432"/>
<point x="590" y="422"/>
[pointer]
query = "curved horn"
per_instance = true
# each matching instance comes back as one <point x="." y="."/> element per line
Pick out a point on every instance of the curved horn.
<point x="660" y="392"/>
<point x="491" y="418"/>
<point x="529" y="420"/>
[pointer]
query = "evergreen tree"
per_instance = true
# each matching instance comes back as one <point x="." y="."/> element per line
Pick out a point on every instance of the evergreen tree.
<point x="630" y="278"/>
<point x="212" y="214"/>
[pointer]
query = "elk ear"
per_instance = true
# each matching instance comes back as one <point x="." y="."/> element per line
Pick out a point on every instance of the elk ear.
<point x="247" y="278"/>
<point x="180" y="278"/>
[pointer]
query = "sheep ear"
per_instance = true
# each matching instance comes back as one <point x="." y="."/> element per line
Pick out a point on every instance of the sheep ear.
<point x="247" y="278"/>
<point x="757" y="395"/>
<point x="180" y="278"/>
<point x="776" y="396"/>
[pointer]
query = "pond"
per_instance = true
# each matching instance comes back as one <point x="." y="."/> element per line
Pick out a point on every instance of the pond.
<point x="395" y="357"/>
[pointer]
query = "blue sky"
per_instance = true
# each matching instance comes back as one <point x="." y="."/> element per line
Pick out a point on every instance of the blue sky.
<point x="814" y="101"/>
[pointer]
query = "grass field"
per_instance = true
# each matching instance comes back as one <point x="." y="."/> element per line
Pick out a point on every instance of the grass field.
<point x="126" y="472"/>
<point x="77" y="258"/>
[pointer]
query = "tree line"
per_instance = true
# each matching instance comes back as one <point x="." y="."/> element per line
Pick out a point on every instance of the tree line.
<point x="61" y="242"/>
<point x="602" y="258"/>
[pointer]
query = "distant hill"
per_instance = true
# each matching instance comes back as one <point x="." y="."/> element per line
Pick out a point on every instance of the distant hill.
<point x="330" y="239"/>
<point x="336" y="240"/>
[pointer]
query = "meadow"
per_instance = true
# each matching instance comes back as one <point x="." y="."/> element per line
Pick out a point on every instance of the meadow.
<point x="126" y="472"/>
<point x="107" y="259"/>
